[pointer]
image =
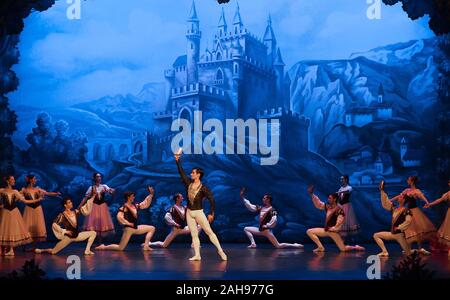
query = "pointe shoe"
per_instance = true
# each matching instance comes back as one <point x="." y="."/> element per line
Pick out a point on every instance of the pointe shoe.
<point x="251" y="246"/>
<point x="37" y="251"/>
<point x="100" y="247"/>
<point x="195" y="258"/>
<point x="424" y="252"/>
<point x="359" y="248"/>
<point x="223" y="256"/>
<point x="147" y="248"/>
<point x="88" y="253"/>
<point x="383" y="254"/>
<point x="319" y="249"/>
<point x="9" y="253"/>
<point x="297" y="245"/>
<point x="381" y="186"/>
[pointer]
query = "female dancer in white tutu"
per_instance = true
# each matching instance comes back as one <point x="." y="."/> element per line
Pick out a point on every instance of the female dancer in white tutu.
<point x="443" y="233"/>
<point x="33" y="214"/>
<point x="421" y="228"/>
<point x="13" y="231"/>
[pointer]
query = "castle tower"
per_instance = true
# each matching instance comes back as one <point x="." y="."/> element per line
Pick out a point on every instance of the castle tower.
<point x="403" y="147"/>
<point x="237" y="21"/>
<point x="287" y="92"/>
<point x="193" y="36"/>
<point x="237" y="52"/>
<point x="380" y="93"/>
<point x="222" y="26"/>
<point x="278" y="66"/>
<point x="271" y="42"/>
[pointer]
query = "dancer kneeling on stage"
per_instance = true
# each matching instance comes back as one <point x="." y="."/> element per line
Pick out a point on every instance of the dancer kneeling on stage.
<point x="267" y="221"/>
<point x="65" y="226"/>
<point x="175" y="218"/>
<point x="128" y="217"/>
<point x="401" y="219"/>
<point x="334" y="219"/>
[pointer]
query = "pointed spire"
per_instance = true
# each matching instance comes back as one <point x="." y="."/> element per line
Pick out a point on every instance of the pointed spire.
<point x="222" y="20"/>
<point x="269" y="35"/>
<point x="193" y="13"/>
<point x="237" y="20"/>
<point x="278" y="59"/>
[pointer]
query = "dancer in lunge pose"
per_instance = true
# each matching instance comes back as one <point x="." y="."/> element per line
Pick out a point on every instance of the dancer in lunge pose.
<point x="65" y="226"/>
<point x="128" y="217"/>
<point x="443" y="233"/>
<point x="401" y="219"/>
<point x="13" y="231"/>
<point x="176" y="219"/>
<point x="33" y="214"/>
<point x="335" y="217"/>
<point x="196" y="192"/>
<point x="267" y="221"/>
<point x="350" y="225"/>
<point x="421" y="228"/>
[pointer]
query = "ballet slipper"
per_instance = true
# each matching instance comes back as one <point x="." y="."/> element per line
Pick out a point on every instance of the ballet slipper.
<point x="88" y="252"/>
<point x="252" y="246"/>
<point x="383" y="254"/>
<point x="194" y="258"/>
<point x="319" y="249"/>
<point x="297" y="245"/>
<point x="100" y="247"/>
<point x="147" y="248"/>
<point x="10" y="253"/>
<point x="424" y="252"/>
<point x="359" y="248"/>
<point x="38" y="251"/>
<point x="223" y="256"/>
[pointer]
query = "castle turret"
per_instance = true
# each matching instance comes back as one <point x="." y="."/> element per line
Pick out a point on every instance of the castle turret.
<point x="278" y="66"/>
<point x="380" y="93"/>
<point x="193" y="36"/>
<point x="271" y="42"/>
<point x="222" y="26"/>
<point x="237" y="21"/>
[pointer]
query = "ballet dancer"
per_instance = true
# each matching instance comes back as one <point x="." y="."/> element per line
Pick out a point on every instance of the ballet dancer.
<point x="335" y="217"/>
<point x="267" y="221"/>
<point x="176" y="219"/>
<point x="196" y="192"/>
<point x="443" y="233"/>
<point x="401" y="219"/>
<point x="421" y="228"/>
<point x="13" y="231"/>
<point x="33" y="214"/>
<point x="128" y="217"/>
<point x="350" y="225"/>
<point x="99" y="220"/>
<point x="65" y="226"/>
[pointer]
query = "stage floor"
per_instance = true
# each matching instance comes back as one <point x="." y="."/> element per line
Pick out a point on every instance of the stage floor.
<point x="262" y="263"/>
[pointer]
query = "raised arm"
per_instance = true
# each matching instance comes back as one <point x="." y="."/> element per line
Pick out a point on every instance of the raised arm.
<point x="316" y="201"/>
<point x="248" y="205"/>
<point x="148" y="200"/>
<point x="186" y="181"/>
<point x="385" y="202"/>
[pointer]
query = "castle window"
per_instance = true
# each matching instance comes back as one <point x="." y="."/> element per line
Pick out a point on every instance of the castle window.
<point x="235" y="69"/>
<point x="235" y="30"/>
<point x="192" y="45"/>
<point x="219" y="56"/>
<point x="219" y="77"/>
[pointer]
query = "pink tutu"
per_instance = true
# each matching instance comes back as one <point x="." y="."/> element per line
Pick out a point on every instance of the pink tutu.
<point x="350" y="225"/>
<point x="444" y="231"/>
<point x="13" y="232"/>
<point x="35" y="223"/>
<point x="99" y="220"/>
<point x="421" y="228"/>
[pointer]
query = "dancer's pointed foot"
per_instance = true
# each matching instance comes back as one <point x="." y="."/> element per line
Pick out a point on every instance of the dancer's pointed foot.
<point x="382" y="184"/>
<point x="10" y="253"/>
<point x="359" y="248"/>
<point x="319" y="249"/>
<point x="147" y="248"/>
<point x="194" y="258"/>
<point x="383" y="254"/>
<point x="424" y="252"/>
<point x="223" y="256"/>
<point x="38" y="251"/>
<point x="100" y="247"/>
<point x="251" y="246"/>
<point x="88" y="252"/>
<point x="297" y="245"/>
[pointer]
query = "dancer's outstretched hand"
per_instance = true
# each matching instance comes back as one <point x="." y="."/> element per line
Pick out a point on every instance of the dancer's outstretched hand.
<point x="150" y="190"/>
<point x="311" y="189"/>
<point x="242" y="193"/>
<point x="178" y="154"/>
<point x="210" y="218"/>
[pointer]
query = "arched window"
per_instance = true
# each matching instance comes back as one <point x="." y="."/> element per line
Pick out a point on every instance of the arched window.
<point x="235" y="69"/>
<point x="219" y="56"/>
<point x="219" y="77"/>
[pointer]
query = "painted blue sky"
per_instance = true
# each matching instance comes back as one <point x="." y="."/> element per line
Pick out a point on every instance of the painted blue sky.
<point x="117" y="46"/>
